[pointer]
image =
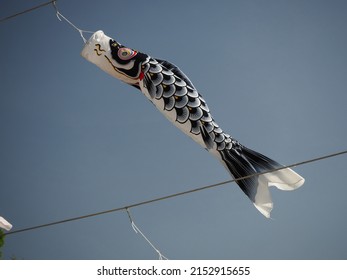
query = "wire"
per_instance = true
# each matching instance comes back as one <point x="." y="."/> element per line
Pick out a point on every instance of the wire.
<point x="58" y="14"/>
<point x="124" y="208"/>
<point x="27" y="11"/>
<point x="61" y="16"/>
<point x="137" y="230"/>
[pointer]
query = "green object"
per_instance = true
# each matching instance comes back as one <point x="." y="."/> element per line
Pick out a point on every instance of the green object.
<point x="2" y="241"/>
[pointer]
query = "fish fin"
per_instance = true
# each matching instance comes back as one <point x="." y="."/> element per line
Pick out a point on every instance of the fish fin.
<point x="178" y="72"/>
<point x="206" y="137"/>
<point x="241" y="162"/>
<point x="148" y="83"/>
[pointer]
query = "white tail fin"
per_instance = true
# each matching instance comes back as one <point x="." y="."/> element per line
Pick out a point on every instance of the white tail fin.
<point x="241" y="162"/>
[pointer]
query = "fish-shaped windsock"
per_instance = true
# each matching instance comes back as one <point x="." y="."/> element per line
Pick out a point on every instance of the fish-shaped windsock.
<point x="175" y="96"/>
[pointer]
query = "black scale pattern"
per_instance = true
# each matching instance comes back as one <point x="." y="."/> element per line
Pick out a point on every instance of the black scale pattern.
<point x="165" y="81"/>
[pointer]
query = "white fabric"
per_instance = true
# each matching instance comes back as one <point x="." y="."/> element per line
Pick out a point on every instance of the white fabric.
<point x="97" y="50"/>
<point x="263" y="201"/>
<point x="285" y="179"/>
<point x="5" y="224"/>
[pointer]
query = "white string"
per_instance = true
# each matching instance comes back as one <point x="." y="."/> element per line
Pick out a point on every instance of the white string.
<point x="60" y="16"/>
<point x="137" y="230"/>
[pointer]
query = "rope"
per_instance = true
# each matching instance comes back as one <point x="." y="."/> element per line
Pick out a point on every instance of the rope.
<point x="137" y="230"/>
<point x="60" y="16"/>
<point x="27" y="11"/>
<point x="124" y="208"/>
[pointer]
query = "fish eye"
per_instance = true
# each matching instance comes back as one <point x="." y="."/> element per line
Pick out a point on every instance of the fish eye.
<point x="126" y="53"/>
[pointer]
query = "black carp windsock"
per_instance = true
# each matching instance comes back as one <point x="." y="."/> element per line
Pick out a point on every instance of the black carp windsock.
<point x="175" y="96"/>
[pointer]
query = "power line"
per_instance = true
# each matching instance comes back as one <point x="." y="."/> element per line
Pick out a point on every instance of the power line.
<point x="125" y="208"/>
<point x="27" y="11"/>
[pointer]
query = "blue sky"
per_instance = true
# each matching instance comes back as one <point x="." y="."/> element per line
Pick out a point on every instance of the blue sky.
<point x="76" y="141"/>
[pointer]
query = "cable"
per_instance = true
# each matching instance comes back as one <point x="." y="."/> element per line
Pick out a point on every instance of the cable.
<point x="27" y="11"/>
<point x="124" y="208"/>
<point x="61" y="16"/>
<point x="58" y="14"/>
<point x="137" y="230"/>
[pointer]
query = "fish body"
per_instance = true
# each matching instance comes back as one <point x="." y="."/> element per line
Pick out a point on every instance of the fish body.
<point x="175" y="96"/>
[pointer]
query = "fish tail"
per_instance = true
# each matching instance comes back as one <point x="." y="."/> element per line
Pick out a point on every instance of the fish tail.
<point x="242" y="162"/>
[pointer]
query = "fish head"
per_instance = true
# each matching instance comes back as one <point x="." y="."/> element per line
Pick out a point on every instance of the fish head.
<point x="114" y="58"/>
